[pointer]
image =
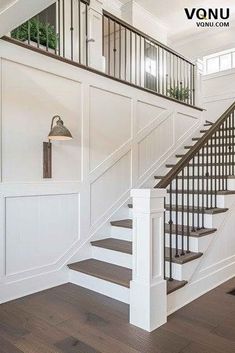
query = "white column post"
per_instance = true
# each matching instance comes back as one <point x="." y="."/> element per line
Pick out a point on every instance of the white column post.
<point x="148" y="295"/>
<point x="95" y="19"/>
<point x="198" y="82"/>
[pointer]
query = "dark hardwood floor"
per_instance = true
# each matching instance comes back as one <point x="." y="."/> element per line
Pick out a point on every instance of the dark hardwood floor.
<point x="70" y="319"/>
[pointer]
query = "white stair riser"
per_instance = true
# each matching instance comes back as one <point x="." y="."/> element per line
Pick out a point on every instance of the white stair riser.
<point x="220" y="199"/>
<point x="215" y="158"/>
<point x="101" y="286"/>
<point x="210" y="221"/>
<point x="182" y="272"/>
<point x="202" y="170"/>
<point x="199" y="244"/>
<point x="112" y="257"/>
<point x="121" y="233"/>
<point x="198" y="184"/>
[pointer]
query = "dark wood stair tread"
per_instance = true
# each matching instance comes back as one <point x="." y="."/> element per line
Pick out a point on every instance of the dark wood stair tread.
<point x="195" y="209"/>
<point x="196" y="177"/>
<point x="114" y="244"/>
<point x="202" y="164"/>
<point x="104" y="270"/>
<point x="212" y="211"/>
<point x="124" y="223"/>
<point x="174" y="285"/>
<point x="182" y="259"/>
<point x="197" y="233"/>
<point x="209" y="154"/>
<point x="220" y="192"/>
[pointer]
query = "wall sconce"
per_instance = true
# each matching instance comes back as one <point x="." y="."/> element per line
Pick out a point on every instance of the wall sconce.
<point x="57" y="133"/>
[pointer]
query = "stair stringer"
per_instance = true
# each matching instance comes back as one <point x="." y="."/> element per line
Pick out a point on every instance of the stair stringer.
<point x="216" y="266"/>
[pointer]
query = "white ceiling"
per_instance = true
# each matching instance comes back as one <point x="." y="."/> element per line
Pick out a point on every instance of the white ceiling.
<point x="4" y="4"/>
<point x="171" y="12"/>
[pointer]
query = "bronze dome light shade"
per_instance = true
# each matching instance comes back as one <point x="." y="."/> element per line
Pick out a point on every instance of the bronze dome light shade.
<point x="57" y="133"/>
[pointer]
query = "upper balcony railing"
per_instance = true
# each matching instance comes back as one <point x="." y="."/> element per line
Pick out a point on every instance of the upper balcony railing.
<point x="129" y="55"/>
<point x="132" y="56"/>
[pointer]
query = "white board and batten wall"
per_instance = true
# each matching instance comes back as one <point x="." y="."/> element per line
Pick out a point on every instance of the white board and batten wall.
<point x="218" y="92"/>
<point x="122" y="136"/>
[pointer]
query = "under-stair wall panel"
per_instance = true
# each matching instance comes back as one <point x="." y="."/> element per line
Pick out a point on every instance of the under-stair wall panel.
<point x="91" y="175"/>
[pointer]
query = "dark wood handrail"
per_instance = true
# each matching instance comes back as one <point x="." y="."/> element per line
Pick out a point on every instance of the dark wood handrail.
<point x="144" y="35"/>
<point x="169" y="177"/>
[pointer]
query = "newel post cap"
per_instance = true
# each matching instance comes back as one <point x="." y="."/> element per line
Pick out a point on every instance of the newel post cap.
<point x="148" y="193"/>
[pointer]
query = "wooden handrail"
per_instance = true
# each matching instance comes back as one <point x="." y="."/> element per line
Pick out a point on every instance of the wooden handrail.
<point x="169" y="177"/>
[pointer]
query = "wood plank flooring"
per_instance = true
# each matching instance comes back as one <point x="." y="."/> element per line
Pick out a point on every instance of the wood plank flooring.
<point x="71" y="319"/>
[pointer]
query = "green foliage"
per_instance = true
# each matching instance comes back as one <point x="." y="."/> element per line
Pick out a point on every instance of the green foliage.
<point x="179" y="93"/>
<point x="36" y="29"/>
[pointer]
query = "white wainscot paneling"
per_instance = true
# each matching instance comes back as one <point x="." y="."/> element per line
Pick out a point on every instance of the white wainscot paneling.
<point x="110" y="186"/>
<point x="183" y="124"/>
<point x="110" y="124"/>
<point x="146" y="113"/>
<point x="155" y="144"/>
<point x="39" y="230"/>
<point x="29" y="103"/>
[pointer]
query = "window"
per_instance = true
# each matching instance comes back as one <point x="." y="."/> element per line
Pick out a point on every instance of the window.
<point x="219" y="62"/>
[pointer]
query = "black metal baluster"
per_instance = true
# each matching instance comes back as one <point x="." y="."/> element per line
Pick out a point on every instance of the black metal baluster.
<point x="207" y="175"/>
<point x="226" y="153"/>
<point x="198" y="189"/>
<point x="164" y="240"/>
<point x="114" y="49"/>
<point x="86" y="34"/>
<point x="59" y="23"/>
<point x="131" y="56"/>
<point x="38" y="32"/>
<point x="109" y="47"/>
<point x="63" y="17"/>
<point x="188" y="208"/>
<point x="80" y="32"/>
<point x="29" y="31"/>
<point x="233" y="140"/>
<point x="229" y="148"/>
<point x="211" y="173"/>
<point x="223" y="156"/>
<point x="193" y="195"/>
<point x="182" y="214"/>
<point x="170" y="236"/>
<point x="71" y="29"/>
<point x="215" y="173"/>
<point x="176" y="219"/>
<point x="203" y="186"/>
<point x="47" y="38"/>
<point x="120" y="51"/>
<point x="125" y="54"/>
<point x="135" y="58"/>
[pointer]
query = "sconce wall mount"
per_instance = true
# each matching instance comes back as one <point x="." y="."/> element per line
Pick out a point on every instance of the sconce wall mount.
<point x="57" y="133"/>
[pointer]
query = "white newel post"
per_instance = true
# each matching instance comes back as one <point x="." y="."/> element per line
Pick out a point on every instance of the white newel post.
<point x="95" y="34"/>
<point x="148" y="297"/>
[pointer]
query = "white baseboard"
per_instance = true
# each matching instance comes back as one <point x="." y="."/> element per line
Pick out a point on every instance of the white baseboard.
<point x="194" y="290"/>
<point x="20" y="288"/>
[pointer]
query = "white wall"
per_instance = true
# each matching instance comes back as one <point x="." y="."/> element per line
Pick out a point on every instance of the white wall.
<point x="122" y="136"/>
<point x="218" y="92"/>
<point x="144" y="20"/>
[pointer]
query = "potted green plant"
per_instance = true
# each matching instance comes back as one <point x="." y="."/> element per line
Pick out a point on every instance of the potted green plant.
<point x="36" y="31"/>
<point x="180" y="93"/>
